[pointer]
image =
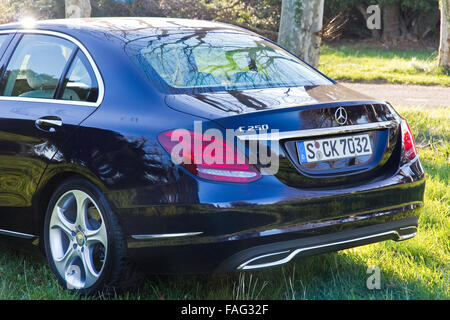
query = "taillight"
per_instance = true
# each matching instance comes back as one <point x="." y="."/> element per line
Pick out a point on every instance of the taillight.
<point x="208" y="157"/>
<point x="409" y="148"/>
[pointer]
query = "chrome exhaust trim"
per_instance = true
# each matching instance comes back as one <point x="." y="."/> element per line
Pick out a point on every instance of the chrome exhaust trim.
<point x="408" y="235"/>
<point x="246" y="265"/>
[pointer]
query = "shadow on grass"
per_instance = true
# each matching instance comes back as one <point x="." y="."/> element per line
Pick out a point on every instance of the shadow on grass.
<point x="341" y="275"/>
<point x="329" y="276"/>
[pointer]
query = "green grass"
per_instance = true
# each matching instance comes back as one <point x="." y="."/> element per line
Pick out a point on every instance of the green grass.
<point x="371" y="64"/>
<point x="418" y="268"/>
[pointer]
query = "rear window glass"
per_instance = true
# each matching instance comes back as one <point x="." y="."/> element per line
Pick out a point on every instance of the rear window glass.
<point x="220" y="61"/>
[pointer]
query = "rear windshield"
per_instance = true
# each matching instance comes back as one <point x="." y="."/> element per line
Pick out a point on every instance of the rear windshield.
<point x="216" y="61"/>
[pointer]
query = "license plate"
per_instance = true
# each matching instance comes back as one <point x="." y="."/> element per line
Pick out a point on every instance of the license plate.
<point x="334" y="148"/>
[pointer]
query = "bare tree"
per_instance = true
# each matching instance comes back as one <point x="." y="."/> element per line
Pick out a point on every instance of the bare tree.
<point x="444" y="48"/>
<point x="301" y="28"/>
<point x="78" y="8"/>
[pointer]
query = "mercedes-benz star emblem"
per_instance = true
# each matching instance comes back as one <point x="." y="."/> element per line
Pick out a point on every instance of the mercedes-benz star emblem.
<point x="341" y="116"/>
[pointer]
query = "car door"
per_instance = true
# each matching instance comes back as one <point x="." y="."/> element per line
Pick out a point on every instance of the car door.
<point x="49" y="85"/>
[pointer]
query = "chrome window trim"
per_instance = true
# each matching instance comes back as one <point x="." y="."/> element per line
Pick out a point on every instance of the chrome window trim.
<point x="101" y="86"/>
<point x="319" y="132"/>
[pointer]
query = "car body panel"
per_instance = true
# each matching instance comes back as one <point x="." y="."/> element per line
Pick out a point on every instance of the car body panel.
<point x="26" y="151"/>
<point x="214" y="105"/>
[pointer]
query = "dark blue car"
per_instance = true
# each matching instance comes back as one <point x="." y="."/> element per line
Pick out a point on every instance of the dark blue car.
<point x="182" y="146"/>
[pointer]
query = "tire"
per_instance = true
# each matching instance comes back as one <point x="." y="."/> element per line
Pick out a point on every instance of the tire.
<point x="84" y="244"/>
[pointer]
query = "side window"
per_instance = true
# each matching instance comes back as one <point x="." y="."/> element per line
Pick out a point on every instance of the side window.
<point x="80" y="83"/>
<point x="36" y="66"/>
<point x="3" y="38"/>
<point x="3" y="46"/>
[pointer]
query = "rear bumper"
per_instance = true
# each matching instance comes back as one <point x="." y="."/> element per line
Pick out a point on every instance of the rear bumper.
<point x="202" y="255"/>
<point x="275" y="220"/>
<point x="279" y="253"/>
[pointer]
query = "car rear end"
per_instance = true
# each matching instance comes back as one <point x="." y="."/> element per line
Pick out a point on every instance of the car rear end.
<point x="280" y="171"/>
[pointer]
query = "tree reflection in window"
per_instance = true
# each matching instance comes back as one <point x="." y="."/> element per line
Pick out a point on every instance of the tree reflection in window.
<point x="230" y="61"/>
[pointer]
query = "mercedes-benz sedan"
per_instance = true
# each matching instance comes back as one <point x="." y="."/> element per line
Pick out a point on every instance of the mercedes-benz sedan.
<point x="184" y="146"/>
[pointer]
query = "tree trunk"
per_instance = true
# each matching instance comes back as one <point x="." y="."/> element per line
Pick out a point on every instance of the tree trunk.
<point x="78" y="8"/>
<point x="444" y="47"/>
<point x="391" y="21"/>
<point x="301" y="28"/>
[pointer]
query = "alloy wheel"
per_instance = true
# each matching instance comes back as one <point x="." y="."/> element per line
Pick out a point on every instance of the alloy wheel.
<point x="78" y="239"/>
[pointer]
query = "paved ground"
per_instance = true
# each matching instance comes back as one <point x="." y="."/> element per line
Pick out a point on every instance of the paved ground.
<point x="405" y="95"/>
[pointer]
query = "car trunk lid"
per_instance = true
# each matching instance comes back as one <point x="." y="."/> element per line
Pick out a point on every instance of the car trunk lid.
<point x="320" y="120"/>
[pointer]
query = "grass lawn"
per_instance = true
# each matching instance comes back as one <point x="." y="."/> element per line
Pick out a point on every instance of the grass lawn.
<point x="418" y="268"/>
<point x="371" y="64"/>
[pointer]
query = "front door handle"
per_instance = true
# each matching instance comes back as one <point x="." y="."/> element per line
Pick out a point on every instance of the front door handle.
<point x="49" y="123"/>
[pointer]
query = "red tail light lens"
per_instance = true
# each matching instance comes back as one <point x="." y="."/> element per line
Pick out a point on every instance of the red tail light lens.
<point x="208" y="157"/>
<point x="409" y="147"/>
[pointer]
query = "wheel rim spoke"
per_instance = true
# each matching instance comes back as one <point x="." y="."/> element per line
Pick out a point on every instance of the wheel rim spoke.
<point x="64" y="225"/>
<point x="98" y="235"/>
<point x="82" y="199"/>
<point x="60" y="221"/>
<point x="65" y="259"/>
<point x="89" y="269"/>
<point x="64" y="264"/>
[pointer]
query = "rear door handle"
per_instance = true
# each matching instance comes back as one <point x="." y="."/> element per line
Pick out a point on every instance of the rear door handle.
<point x="49" y="123"/>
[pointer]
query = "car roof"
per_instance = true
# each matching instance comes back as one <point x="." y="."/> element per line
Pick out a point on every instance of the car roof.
<point x="127" y="29"/>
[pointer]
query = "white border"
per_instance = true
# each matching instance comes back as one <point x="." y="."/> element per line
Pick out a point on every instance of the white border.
<point x="101" y="86"/>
